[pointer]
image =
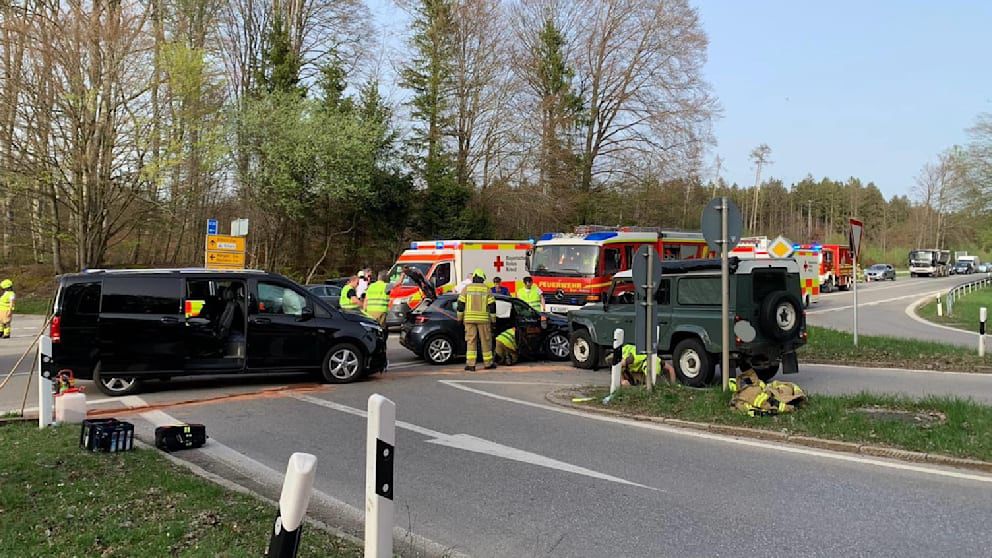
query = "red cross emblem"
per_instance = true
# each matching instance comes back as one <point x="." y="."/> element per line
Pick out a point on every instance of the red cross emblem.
<point x="498" y="264"/>
<point x="805" y="266"/>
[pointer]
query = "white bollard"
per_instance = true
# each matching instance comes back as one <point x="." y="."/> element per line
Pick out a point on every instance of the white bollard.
<point x="940" y="307"/>
<point x="982" y="316"/>
<point x="379" y="453"/>
<point x="293" y="502"/>
<point x="617" y="361"/>
<point x="46" y="394"/>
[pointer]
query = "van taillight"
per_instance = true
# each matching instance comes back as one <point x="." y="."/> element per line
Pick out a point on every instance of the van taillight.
<point x="55" y="329"/>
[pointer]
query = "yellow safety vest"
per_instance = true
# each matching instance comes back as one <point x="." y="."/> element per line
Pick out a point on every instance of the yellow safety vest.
<point x="7" y="300"/>
<point x="474" y="302"/>
<point x="376" y="299"/>
<point x="640" y="361"/>
<point x="531" y="296"/>
<point x="508" y="339"/>
<point x="345" y="299"/>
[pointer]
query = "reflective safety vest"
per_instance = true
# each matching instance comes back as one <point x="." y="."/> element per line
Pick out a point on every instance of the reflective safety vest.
<point x="7" y="300"/>
<point x="376" y="299"/>
<point x="474" y="304"/>
<point x="531" y="296"/>
<point x="345" y="299"/>
<point x="508" y="339"/>
<point x="640" y="361"/>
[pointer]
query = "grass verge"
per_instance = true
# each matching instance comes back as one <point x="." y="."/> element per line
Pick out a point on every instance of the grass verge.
<point x="965" y="310"/>
<point x="943" y="425"/>
<point x="837" y="347"/>
<point x="59" y="500"/>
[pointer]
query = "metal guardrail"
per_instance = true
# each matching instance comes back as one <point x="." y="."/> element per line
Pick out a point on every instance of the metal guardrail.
<point x="965" y="288"/>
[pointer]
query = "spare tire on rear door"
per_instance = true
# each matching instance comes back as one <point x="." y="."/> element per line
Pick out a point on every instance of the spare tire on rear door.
<point x="780" y="315"/>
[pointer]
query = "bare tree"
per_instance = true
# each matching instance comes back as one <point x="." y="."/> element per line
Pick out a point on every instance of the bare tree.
<point x="760" y="156"/>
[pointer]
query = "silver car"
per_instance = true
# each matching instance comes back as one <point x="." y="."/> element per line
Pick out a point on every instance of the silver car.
<point x="880" y="272"/>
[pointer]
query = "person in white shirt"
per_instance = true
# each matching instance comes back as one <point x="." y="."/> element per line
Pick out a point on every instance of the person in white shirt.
<point x="363" y="283"/>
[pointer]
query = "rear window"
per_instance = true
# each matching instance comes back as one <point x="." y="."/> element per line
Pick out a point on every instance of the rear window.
<point x="700" y="291"/>
<point x="142" y="295"/>
<point x="80" y="299"/>
<point x="767" y="281"/>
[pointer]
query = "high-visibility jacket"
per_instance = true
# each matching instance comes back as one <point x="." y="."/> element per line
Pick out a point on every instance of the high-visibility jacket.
<point x="531" y="296"/>
<point x="639" y="365"/>
<point x="508" y="339"/>
<point x="345" y="299"/>
<point x="7" y="300"/>
<point x="376" y="299"/>
<point x="476" y="304"/>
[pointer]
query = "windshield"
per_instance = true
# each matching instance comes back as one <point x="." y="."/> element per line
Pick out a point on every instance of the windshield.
<point x="560" y="260"/>
<point x="878" y="267"/>
<point x="921" y="256"/>
<point x="394" y="273"/>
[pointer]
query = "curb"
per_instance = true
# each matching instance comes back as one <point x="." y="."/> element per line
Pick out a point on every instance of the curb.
<point x="563" y="398"/>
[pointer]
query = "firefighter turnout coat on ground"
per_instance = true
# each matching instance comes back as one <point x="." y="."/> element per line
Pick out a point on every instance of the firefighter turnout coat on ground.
<point x="477" y="310"/>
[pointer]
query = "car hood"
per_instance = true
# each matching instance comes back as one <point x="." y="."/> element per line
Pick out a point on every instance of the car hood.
<point x="556" y="319"/>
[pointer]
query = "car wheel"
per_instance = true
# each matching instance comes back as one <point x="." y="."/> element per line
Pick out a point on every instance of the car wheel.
<point x="343" y="364"/>
<point x="766" y="373"/>
<point x="585" y="353"/>
<point x="780" y="316"/>
<point x="558" y="347"/>
<point x="439" y="350"/>
<point x="693" y="365"/>
<point x="115" y="386"/>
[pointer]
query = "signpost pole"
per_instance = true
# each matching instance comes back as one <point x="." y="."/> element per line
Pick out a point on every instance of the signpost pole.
<point x="724" y="296"/>
<point x="649" y="324"/>
<point x="855" y="281"/>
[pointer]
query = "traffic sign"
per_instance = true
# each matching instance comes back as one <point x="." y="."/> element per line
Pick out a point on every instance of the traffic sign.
<point x="854" y="237"/>
<point x="211" y="226"/>
<point x="781" y="247"/>
<point x="712" y="227"/>
<point x="224" y="243"/>
<point x="239" y="227"/>
<point x="646" y="274"/>
<point x="225" y="258"/>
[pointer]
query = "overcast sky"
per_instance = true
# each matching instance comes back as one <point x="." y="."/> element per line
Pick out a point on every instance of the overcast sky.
<point x="867" y="89"/>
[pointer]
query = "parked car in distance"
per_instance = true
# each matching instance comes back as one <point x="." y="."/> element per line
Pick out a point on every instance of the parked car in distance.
<point x="433" y="331"/>
<point x="962" y="268"/>
<point x="331" y="294"/>
<point x="880" y="272"/>
<point x="122" y="327"/>
<point x="984" y="268"/>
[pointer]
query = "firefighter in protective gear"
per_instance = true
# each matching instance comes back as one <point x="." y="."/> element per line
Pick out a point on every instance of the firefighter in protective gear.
<point x="377" y="299"/>
<point x="634" y="366"/>
<point x="6" y="307"/>
<point x="349" y="300"/>
<point x="506" y="347"/>
<point x="531" y="294"/>
<point x="477" y="310"/>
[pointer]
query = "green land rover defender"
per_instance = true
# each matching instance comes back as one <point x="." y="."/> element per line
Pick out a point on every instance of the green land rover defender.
<point x="769" y="323"/>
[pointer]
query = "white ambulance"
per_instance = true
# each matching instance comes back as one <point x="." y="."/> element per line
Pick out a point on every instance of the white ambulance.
<point x="756" y="247"/>
<point x="447" y="263"/>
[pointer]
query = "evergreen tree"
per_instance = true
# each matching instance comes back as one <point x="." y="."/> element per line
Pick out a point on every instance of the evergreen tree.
<point x="280" y="67"/>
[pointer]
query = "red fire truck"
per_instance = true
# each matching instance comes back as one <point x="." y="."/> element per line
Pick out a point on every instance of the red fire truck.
<point x="573" y="269"/>
<point x="836" y="266"/>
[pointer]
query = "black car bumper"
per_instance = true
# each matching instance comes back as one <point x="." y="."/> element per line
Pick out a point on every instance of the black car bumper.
<point x="412" y="337"/>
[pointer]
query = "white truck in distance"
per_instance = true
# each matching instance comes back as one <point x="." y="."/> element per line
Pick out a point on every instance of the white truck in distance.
<point x="931" y="262"/>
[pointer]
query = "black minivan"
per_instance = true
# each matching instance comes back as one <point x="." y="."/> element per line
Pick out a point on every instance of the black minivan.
<point x="120" y="327"/>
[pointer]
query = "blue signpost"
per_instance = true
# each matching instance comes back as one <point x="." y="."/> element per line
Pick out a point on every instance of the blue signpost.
<point x="211" y="226"/>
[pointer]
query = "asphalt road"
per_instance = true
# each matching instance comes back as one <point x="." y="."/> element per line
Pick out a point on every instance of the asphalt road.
<point x="485" y="466"/>
<point x="882" y="310"/>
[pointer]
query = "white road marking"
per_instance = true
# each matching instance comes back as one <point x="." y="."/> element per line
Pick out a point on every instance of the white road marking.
<point x="911" y="312"/>
<point x="771" y="446"/>
<point x="478" y="445"/>
<point x="93" y="402"/>
<point x="862" y="304"/>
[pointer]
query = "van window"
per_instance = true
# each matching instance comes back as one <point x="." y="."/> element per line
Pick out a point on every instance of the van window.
<point x="81" y="299"/>
<point x="700" y="291"/>
<point x="611" y="261"/>
<point x="442" y="274"/>
<point x="274" y="298"/>
<point x="141" y="295"/>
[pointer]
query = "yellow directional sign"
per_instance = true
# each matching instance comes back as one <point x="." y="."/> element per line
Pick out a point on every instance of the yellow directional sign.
<point x="219" y="242"/>
<point x="225" y="258"/>
<point x="781" y="247"/>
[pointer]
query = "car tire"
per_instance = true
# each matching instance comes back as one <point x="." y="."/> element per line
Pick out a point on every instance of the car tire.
<point x="584" y="353"/>
<point x="115" y="387"/>
<point x="766" y="373"/>
<point x="558" y="346"/>
<point x="694" y="367"/>
<point x="439" y="350"/>
<point x="780" y="315"/>
<point x="343" y="364"/>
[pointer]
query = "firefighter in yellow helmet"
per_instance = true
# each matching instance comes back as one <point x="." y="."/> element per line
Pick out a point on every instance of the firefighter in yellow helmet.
<point x="6" y="307"/>
<point x="634" y="366"/>
<point x="477" y="311"/>
<point x="506" y="347"/>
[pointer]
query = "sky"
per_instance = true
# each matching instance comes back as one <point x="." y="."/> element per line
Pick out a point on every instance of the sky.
<point x="872" y="89"/>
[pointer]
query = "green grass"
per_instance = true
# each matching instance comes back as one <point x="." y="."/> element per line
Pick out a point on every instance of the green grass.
<point x="837" y="347"/>
<point x="33" y="305"/>
<point x="965" y="310"/>
<point x="964" y="433"/>
<point x="59" y="500"/>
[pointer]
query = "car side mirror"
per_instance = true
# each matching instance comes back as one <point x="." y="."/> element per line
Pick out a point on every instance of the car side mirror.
<point x="305" y="314"/>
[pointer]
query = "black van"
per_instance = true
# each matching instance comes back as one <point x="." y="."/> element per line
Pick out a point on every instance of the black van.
<point x="120" y="327"/>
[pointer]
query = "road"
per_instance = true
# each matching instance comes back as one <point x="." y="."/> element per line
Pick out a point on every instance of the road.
<point x="882" y="310"/>
<point x="485" y="466"/>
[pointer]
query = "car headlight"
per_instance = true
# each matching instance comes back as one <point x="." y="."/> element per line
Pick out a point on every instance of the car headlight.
<point x="372" y="327"/>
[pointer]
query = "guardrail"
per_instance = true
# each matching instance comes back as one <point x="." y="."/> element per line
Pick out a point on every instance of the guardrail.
<point x="965" y="288"/>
